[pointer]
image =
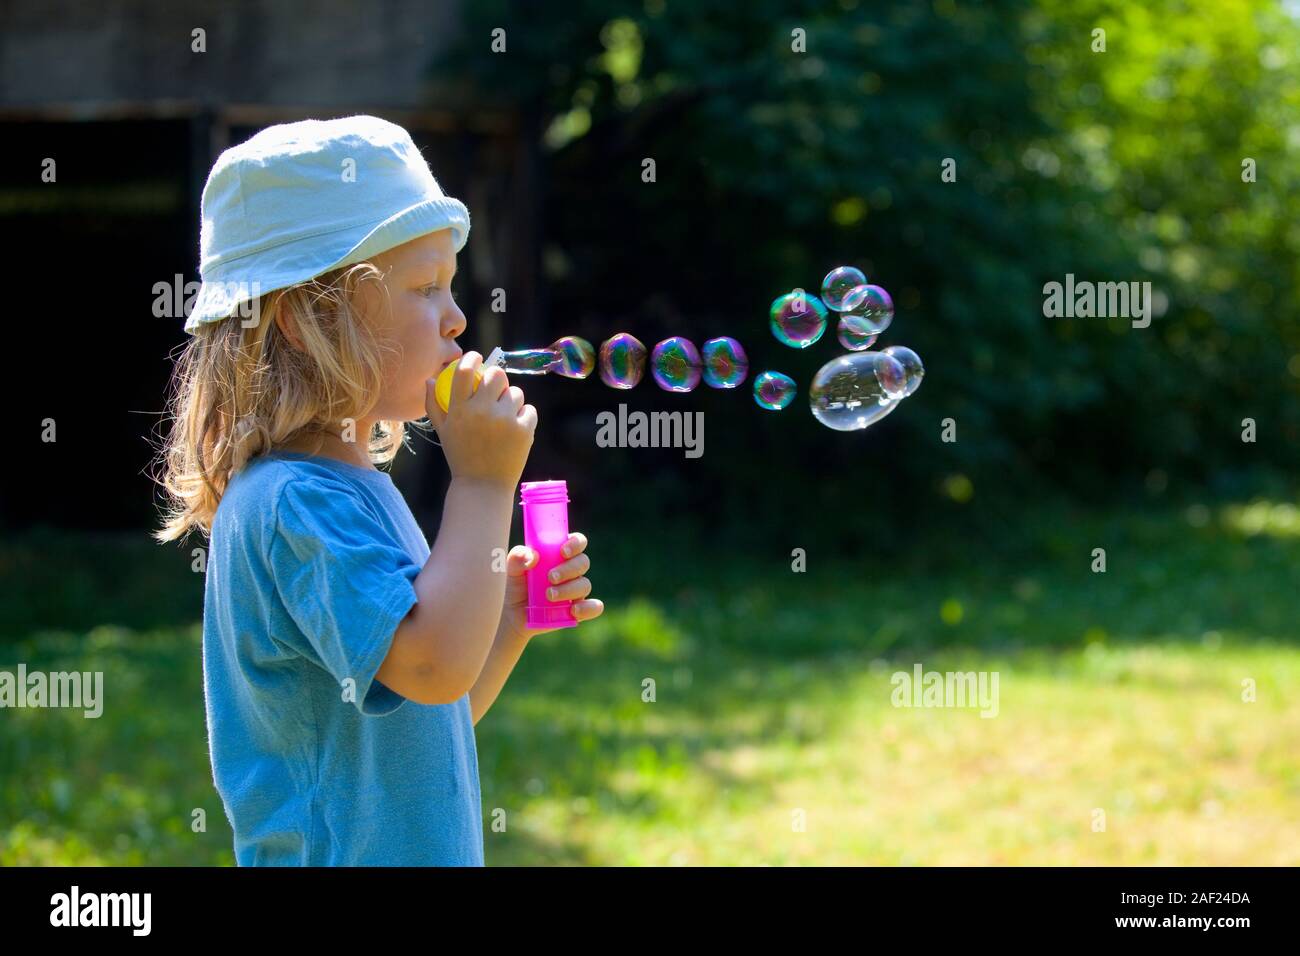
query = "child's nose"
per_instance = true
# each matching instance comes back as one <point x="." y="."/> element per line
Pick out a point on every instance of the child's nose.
<point x="456" y="322"/>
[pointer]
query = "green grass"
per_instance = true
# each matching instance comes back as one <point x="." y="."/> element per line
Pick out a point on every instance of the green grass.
<point x="1119" y="692"/>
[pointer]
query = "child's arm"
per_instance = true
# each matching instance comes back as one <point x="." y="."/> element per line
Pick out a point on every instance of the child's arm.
<point x="439" y="649"/>
<point x="507" y="647"/>
<point x="513" y="634"/>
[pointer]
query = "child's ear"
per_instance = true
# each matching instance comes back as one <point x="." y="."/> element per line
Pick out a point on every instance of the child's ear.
<point x="284" y="321"/>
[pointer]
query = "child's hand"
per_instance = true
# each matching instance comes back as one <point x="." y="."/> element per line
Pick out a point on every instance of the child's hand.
<point x="568" y="582"/>
<point x="485" y="434"/>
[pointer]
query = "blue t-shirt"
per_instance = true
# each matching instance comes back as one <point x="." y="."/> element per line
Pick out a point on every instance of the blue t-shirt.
<point x="310" y="570"/>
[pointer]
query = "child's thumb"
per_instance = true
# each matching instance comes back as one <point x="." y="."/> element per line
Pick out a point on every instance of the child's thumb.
<point x="522" y="558"/>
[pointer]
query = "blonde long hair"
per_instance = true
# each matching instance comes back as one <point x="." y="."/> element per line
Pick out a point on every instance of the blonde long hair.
<point x="240" y="389"/>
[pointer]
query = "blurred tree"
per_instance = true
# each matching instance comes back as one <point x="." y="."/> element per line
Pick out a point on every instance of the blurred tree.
<point x="793" y="137"/>
<point x="1186" y="127"/>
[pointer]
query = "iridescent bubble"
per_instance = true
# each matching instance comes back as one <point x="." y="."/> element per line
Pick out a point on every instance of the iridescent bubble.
<point x="798" y="319"/>
<point x="622" y="360"/>
<point x="774" y="391"/>
<point x="529" y="361"/>
<point x="853" y="391"/>
<point x="577" y="357"/>
<point x="855" y="333"/>
<point x="840" y="282"/>
<point x="912" y="366"/>
<point x="675" y="364"/>
<point x="725" y="362"/>
<point x="872" y="303"/>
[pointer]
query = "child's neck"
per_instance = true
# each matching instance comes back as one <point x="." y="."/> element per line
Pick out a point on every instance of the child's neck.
<point x="332" y="446"/>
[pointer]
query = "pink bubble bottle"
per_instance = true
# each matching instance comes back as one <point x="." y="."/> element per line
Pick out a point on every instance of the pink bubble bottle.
<point x="546" y="528"/>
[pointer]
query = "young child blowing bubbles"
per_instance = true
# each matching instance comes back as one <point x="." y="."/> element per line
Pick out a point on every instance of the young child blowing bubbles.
<point x="345" y="662"/>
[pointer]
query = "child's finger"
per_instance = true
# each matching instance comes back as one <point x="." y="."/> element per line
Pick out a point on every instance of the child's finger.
<point x="495" y="385"/>
<point x="569" y="569"/>
<point x="515" y="395"/>
<point x="586" y="610"/>
<point x="462" y="380"/>
<point x="520" y="559"/>
<point x="576" y="544"/>
<point x="569" y="590"/>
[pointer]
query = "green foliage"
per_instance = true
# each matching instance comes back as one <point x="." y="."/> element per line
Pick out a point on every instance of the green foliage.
<point x="61" y="580"/>
<point x="122" y="788"/>
<point x="767" y="680"/>
<point x="774" y="165"/>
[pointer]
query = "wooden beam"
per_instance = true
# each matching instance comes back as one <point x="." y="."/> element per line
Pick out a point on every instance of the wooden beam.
<point x="251" y="114"/>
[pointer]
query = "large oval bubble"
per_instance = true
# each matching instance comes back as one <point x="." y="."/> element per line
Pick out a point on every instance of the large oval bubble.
<point x="856" y="390"/>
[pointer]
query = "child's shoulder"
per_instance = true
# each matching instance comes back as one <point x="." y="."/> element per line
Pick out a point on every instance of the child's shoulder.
<point x="283" y="506"/>
<point x="258" y="490"/>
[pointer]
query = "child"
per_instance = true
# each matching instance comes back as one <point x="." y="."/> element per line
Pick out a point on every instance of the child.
<point x="345" y="663"/>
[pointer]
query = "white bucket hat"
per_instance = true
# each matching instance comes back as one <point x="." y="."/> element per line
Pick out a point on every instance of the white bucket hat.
<point x="300" y="199"/>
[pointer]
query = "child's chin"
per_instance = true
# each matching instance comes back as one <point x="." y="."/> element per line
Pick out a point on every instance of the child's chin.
<point x="407" y="416"/>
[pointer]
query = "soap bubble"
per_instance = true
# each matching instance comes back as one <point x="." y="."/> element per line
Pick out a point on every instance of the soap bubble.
<point x="912" y="366"/>
<point x="773" y="391"/>
<point x="839" y="283"/>
<point x="577" y="357"/>
<point x="622" y="360"/>
<point x="675" y="364"/>
<point x="798" y="319"/>
<point x="725" y="363"/>
<point x="853" y="391"/>
<point x="529" y="361"/>
<point x="872" y="303"/>
<point x="855" y="333"/>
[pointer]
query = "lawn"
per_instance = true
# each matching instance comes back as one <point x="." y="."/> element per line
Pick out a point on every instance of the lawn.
<point x="1122" y="734"/>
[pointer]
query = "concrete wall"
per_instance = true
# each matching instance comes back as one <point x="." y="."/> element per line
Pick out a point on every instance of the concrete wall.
<point x="274" y="52"/>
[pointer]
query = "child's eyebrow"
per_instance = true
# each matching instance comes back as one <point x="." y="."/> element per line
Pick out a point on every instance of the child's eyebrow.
<point x="437" y="264"/>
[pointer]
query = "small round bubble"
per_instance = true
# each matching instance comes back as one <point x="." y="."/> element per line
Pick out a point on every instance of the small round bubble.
<point x="725" y="362"/>
<point x="913" y="370"/>
<point x="577" y="357"/>
<point x="872" y="304"/>
<point x="773" y="390"/>
<point x="838" y="283"/>
<point x="622" y="360"/>
<point x="853" y="391"/>
<point x="676" y="365"/>
<point x="798" y="319"/>
<point x="855" y="333"/>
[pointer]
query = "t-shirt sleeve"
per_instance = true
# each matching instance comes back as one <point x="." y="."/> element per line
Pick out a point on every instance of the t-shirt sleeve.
<point x="345" y="581"/>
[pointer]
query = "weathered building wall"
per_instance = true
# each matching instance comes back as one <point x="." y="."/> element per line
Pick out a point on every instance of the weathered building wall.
<point x="112" y="90"/>
<point x="335" y="53"/>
